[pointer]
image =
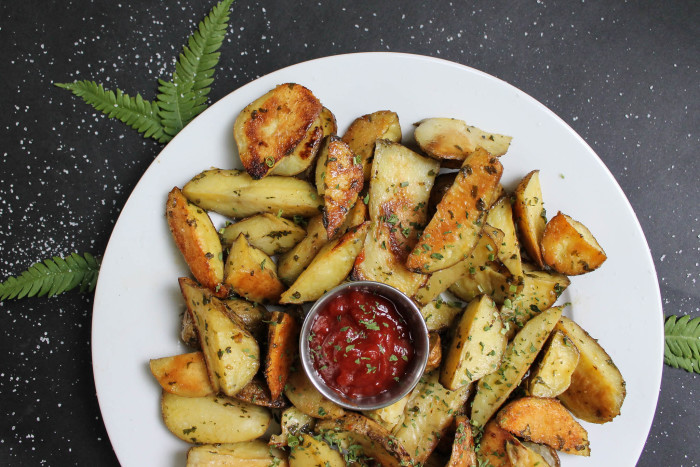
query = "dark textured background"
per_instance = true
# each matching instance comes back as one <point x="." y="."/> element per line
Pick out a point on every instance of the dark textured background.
<point x="624" y="75"/>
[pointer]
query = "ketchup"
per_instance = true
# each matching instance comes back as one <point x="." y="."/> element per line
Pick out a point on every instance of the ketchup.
<point x="359" y="344"/>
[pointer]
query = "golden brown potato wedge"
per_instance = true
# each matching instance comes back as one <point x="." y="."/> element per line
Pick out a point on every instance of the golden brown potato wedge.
<point x="270" y="233"/>
<point x="569" y="247"/>
<point x="463" y="454"/>
<point x="292" y="422"/>
<point x="454" y="229"/>
<point x="494" y="388"/>
<point x="440" y="315"/>
<point x="545" y="421"/>
<point x="230" y="351"/>
<point x="389" y="416"/>
<point x="435" y="352"/>
<point x="530" y="215"/>
<point x="257" y="393"/>
<point x="197" y="240"/>
<point x="304" y="154"/>
<point x="553" y="373"/>
<point x="340" y="181"/>
<point x="253" y="315"/>
<point x="501" y="217"/>
<point x="364" y="131"/>
<point x="492" y="278"/>
<point x="305" y="397"/>
<point x="251" y="273"/>
<point x="597" y="389"/>
<point x="328" y="269"/>
<point x="312" y="452"/>
<point x="271" y="127"/>
<point x="183" y="375"/>
<point x="452" y="139"/>
<point x="282" y="342"/>
<point x="492" y="448"/>
<point x="213" y="419"/>
<point x="244" y="454"/>
<point x="234" y="194"/>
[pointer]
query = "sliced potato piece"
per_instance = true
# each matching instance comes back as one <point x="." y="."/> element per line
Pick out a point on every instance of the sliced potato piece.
<point x="389" y="416"/>
<point x="530" y="215"/>
<point x="257" y="393"/>
<point x="492" y="448"/>
<point x="328" y="269"/>
<point x="520" y="455"/>
<point x="213" y="419"/>
<point x="548" y="454"/>
<point x="544" y="421"/>
<point x="501" y="217"/>
<point x="440" y="315"/>
<point x="452" y="139"/>
<point x="365" y="130"/>
<point x="197" y="240"/>
<point x="230" y="351"/>
<point x="305" y="397"/>
<point x="292" y="422"/>
<point x="304" y="154"/>
<point x="267" y="232"/>
<point x="494" y="388"/>
<point x="251" y="273"/>
<point x="312" y="452"/>
<point x="463" y="454"/>
<point x="569" y="247"/>
<point x="183" y="375"/>
<point x="253" y="315"/>
<point x="597" y="389"/>
<point x="492" y="278"/>
<point x="245" y="454"/>
<point x="233" y="193"/>
<point x="282" y="343"/>
<point x="435" y="352"/>
<point x="553" y="373"/>
<point x="272" y="126"/>
<point x="454" y="229"/>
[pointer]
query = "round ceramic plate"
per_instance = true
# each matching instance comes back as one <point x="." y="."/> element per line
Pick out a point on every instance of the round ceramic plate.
<point x="138" y="304"/>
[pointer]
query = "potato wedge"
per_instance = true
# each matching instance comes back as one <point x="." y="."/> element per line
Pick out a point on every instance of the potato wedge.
<point x="492" y="278"/>
<point x="530" y="216"/>
<point x="435" y="352"/>
<point x="501" y="217"/>
<point x="234" y="194"/>
<point x="251" y="273"/>
<point x="282" y="343"/>
<point x="597" y="389"/>
<point x="440" y="315"/>
<point x="267" y="232"/>
<point x="188" y="333"/>
<point x="494" y="388"/>
<point x="454" y="229"/>
<point x="257" y="393"/>
<point x="328" y="269"/>
<point x="569" y="247"/>
<point x="197" y="240"/>
<point x="545" y="421"/>
<point x="452" y="139"/>
<point x="389" y="416"/>
<point x="312" y="452"/>
<point x="304" y="154"/>
<point x="253" y="315"/>
<point x="183" y="375"/>
<point x="553" y="373"/>
<point x="463" y="454"/>
<point x="365" y="130"/>
<point x="272" y="126"/>
<point x="292" y="422"/>
<point x="520" y="455"/>
<point x="341" y="180"/>
<point x="213" y="419"/>
<point x="305" y="397"/>
<point x="230" y="351"/>
<point x="245" y="454"/>
<point x="492" y="448"/>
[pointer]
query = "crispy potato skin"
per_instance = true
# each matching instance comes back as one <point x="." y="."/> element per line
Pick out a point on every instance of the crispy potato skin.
<point x="343" y="181"/>
<point x="454" y="229"/>
<point x="529" y="215"/>
<point x="282" y="342"/>
<point x="545" y="421"/>
<point x="569" y="248"/>
<point x="251" y="273"/>
<point x="272" y="126"/>
<point x="365" y="130"/>
<point x="183" y="375"/>
<point x="197" y="240"/>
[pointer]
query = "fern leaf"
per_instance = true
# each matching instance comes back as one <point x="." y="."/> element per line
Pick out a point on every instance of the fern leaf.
<point x="136" y="112"/>
<point x="185" y="96"/>
<point x="52" y="277"/>
<point x="682" y="343"/>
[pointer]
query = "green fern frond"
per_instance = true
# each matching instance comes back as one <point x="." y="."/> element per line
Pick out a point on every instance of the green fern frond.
<point x="136" y="112"/>
<point x="185" y="96"/>
<point x="52" y="277"/>
<point x="682" y="343"/>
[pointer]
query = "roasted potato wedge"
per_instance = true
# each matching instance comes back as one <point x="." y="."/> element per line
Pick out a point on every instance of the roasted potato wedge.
<point x="292" y="422"/>
<point x="230" y="351"/>
<point x="454" y="229"/>
<point x="463" y="454"/>
<point x="364" y="131"/>
<point x="440" y="315"/>
<point x="251" y="273"/>
<point x="183" y="375"/>
<point x="305" y="397"/>
<point x="520" y="455"/>
<point x="234" y="194"/>
<point x="328" y="269"/>
<point x="477" y="346"/>
<point x="272" y="126"/>
<point x="282" y="343"/>
<point x="452" y="139"/>
<point x="269" y="233"/>
<point x="213" y="419"/>
<point x="435" y="352"/>
<point x="494" y="388"/>
<point x="312" y="452"/>
<point x="245" y="454"/>
<point x="569" y="247"/>
<point x="492" y="448"/>
<point x="197" y="240"/>
<point x="553" y="373"/>
<point x="188" y="333"/>
<point x="501" y="217"/>
<point x="304" y="154"/>
<point x="253" y="315"/>
<point x="545" y="421"/>
<point x="492" y="278"/>
<point x="257" y="393"/>
<point x="530" y="215"/>
<point x="389" y="416"/>
<point x="597" y="389"/>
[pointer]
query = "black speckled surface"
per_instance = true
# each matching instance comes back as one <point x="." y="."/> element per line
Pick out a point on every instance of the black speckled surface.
<point x="624" y="75"/>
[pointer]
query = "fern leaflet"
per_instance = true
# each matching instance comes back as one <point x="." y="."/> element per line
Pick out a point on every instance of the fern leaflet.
<point x="682" y="343"/>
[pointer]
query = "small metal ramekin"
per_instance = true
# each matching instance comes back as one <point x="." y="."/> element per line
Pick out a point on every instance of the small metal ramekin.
<point x="419" y="333"/>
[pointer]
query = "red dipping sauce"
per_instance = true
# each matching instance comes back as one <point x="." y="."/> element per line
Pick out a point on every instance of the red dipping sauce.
<point x="359" y="344"/>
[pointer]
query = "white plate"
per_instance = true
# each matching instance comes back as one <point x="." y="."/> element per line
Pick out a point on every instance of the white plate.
<point x="138" y="303"/>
